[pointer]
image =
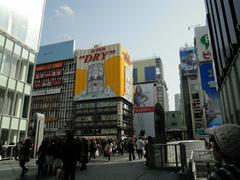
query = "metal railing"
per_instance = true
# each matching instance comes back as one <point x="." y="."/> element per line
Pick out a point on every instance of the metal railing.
<point x="8" y="152"/>
<point x="200" y="163"/>
<point x="168" y="156"/>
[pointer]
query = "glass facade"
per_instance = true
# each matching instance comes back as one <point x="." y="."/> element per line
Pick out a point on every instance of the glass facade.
<point x="20" y="27"/>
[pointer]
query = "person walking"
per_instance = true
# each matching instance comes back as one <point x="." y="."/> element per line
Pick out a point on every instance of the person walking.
<point x="131" y="149"/>
<point x="24" y="155"/>
<point x="225" y="141"/>
<point x="109" y="147"/>
<point x="41" y="162"/>
<point x="140" y="147"/>
<point x="69" y="157"/>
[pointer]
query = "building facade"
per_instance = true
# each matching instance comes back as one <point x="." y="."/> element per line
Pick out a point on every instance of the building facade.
<point x="53" y="86"/>
<point x="178" y="104"/>
<point x="20" y="28"/>
<point x="175" y="126"/>
<point x="103" y="92"/>
<point x="191" y="93"/>
<point x="149" y="89"/>
<point x="223" y="19"/>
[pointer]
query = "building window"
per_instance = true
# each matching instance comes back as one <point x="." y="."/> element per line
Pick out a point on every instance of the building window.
<point x="9" y="102"/>
<point x="150" y="73"/>
<point x="26" y="106"/>
<point x="135" y="75"/>
<point x="24" y="65"/>
<point x="16" y="61"/>
<point x="6" y="61"/>
<point x="2" y="41"/>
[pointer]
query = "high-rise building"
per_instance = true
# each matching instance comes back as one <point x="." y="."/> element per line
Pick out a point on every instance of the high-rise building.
<point x="103" y="92"/>
<point x="177" y="98"/>
<point x="53" y="86"/>
<point x="20" y="28"/>
<point x="223" y="19"/>
<point x="149" y="89"/>
<point x="211" y="99"/>
<point x="191" y="93"/>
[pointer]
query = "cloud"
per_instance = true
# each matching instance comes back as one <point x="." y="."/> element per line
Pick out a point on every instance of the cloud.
<point x="64" y="11"/>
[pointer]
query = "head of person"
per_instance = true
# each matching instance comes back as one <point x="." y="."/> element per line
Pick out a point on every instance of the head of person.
<point x="138" y="90"/>
<point x="226" y="142"/>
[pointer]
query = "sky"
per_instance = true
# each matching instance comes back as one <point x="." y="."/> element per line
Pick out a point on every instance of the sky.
<point x="145" y="27"/>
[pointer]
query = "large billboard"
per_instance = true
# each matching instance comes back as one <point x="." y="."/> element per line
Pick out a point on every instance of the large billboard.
<point x="202" y="44"/>
<point x="188" y="61"/>
<point x="102" y="72"/>
<point x="144" y="102"/>
<point x="211" y="96"/>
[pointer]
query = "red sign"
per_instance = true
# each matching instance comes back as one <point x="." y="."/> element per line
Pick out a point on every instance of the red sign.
<point x="49" y="66"/>
<point x="144" y="109"/>
<point x="43" y="74"/>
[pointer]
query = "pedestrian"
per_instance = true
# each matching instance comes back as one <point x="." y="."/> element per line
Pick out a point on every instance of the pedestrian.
<point x="225" y="141"/>
<point x="92" y="149"/>
<point x="69" y="157"/>
<point x="41" y="162"/>
<point x="148" y="148"/>
<point x="120" y="147"/>
<point x="108" y="150"/>
<point x="140" y="147"/>
<point x="84" y="154"/>
<point x="131" y="149"/>
<point x="24" y="155"/>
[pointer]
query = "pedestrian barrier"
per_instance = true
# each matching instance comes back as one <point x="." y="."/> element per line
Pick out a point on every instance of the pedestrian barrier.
<point x="200" y="163"/>
<point x="8" y="152"/>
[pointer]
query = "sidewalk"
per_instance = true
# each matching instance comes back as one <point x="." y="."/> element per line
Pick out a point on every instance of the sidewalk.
<point x="119" y="168"/>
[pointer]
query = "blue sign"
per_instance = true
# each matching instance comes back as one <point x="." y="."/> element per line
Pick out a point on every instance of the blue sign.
<point x="56" y="52"/>
<point x="211" y="96"/>
<point x="188" y="61"/>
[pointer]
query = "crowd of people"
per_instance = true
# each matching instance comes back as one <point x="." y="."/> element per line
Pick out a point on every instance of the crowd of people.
<point x="62" y="155"/>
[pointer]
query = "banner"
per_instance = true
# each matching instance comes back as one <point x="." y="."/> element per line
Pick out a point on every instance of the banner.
<point x="188" y="61"/>
<point x="211" y="104"/>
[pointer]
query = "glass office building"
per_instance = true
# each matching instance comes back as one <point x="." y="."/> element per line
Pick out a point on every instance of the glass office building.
<point x="20" y="27"/>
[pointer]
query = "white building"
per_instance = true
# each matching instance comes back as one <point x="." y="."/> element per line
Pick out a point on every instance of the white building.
<point x="19" y="42"/>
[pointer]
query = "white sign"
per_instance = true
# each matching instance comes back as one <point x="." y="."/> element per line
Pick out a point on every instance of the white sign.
<point x="46" y="92"/>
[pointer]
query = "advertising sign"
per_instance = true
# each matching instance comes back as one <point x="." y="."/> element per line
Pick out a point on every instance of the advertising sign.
<point x="103" y="72"/>
<point x="188" y="61"/>
<point x="144" y="102"/>
<point x="211" y="97"/>
<point x="49" y="66"/>
<point x="203" y="44"/>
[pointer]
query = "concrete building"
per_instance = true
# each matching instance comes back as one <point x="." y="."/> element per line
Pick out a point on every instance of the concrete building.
<point x="53" y="85"/>
<point x="175" y="126"/>
<point x="20" y="28"/>
<point x="103" y="92"/>
<point x="178" y="103"/>
<point x="191" y="93"/>
<point x="148" y="78"/>
<point x="151" y="70"/>
<point x="223" y="19"/>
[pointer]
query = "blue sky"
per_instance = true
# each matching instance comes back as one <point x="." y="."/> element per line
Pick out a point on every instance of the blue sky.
<point x="144" y="27"/>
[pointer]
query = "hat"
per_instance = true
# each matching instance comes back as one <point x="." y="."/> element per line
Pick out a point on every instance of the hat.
<point x="227" y="137"/>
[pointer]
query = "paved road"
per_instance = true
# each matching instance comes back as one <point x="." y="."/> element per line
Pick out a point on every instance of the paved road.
<point x="119" y="168"/>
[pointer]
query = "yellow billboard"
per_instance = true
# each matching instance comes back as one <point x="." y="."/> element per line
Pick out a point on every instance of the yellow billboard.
<point x="103" y="72"/>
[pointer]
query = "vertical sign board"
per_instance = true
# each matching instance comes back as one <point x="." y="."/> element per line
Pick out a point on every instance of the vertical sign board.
<point x="203" y="47"/>
<point x="188" y="61"/>
<point x="103" y="72"/>
<point x="144" y="102"/>
<point x="211" y="97"/>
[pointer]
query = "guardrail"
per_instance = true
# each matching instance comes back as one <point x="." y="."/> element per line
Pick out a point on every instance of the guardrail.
<point x="167" y="156"/>
<point x="200" y="163"/>
<point x="8" y="152"/>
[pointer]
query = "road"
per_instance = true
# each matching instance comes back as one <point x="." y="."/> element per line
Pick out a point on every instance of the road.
<point x="119" y="168"/>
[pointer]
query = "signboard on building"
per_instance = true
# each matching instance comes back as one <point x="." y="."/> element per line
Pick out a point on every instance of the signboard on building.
<point x="103" y="72"/>
<point x="202" y="45"/>
<point x="188" y="61"/>
<point x="144" y="102"/>
<point x="46" y="67"/>
<point x="211" y="96"/>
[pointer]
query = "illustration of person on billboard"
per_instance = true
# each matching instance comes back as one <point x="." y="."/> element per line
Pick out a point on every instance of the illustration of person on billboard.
<point x="139" y="97"/>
